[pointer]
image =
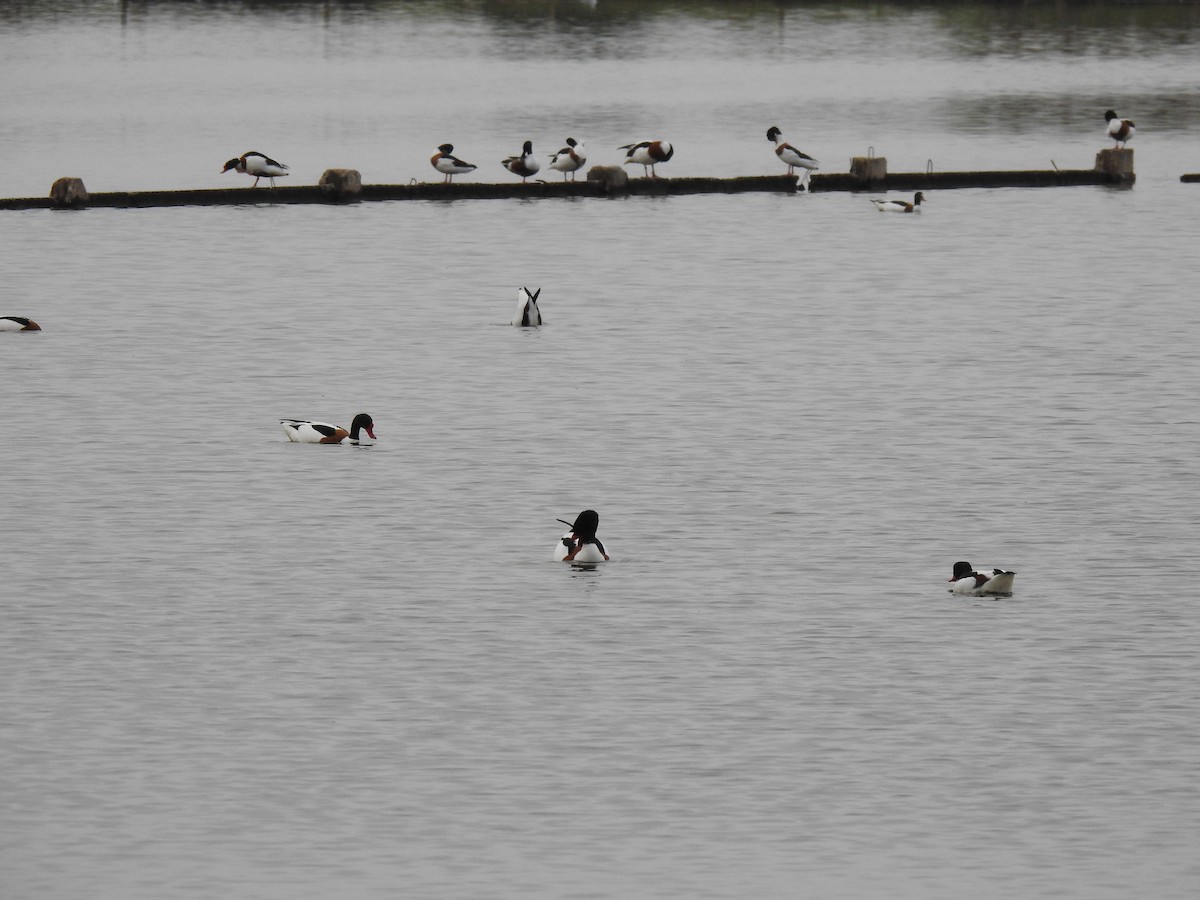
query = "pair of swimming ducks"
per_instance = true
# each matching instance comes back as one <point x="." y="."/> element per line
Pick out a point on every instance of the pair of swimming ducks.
<point x="579" y="545"/>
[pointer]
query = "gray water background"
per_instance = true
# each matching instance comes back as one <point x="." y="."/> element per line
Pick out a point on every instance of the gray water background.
<point x="240" y="668"/>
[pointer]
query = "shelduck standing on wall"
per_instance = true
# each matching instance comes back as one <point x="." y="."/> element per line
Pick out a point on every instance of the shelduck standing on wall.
<point x="791" y="155"/>
<point x="449" y="165"/>
<point x="570" y="158"/>
<point x="303" y="431"/>
<point x="18" y="323"/>
<point x="648" y="154"/>
<point x="525" y="164"/>
<point x="1120" y="130"/>
<point x="967" y="580"/>
<point x="900" y="205"/>
<point x="528" y="315"/>
<point x="580" y="544"/>
<point x="257" y="164"/>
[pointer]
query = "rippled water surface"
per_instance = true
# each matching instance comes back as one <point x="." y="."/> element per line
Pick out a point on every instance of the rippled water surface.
<point x="236" y="667"/>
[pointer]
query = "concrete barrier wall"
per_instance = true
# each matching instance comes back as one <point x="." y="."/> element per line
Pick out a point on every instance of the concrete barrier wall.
<point x="1113" y="167"/>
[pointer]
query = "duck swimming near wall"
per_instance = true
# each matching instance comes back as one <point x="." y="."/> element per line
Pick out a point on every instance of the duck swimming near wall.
<point x="900" y="206"/>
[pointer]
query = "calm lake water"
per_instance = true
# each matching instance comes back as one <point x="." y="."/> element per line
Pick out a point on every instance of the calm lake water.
<point x="236" y="667"/>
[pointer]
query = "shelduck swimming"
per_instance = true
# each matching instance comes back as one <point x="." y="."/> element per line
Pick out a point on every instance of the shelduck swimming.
<point x="257" y="164"/>
<point x="305" y="432"/>
<point x="524" y="165"/>
<point x="899" y="205"/>
<point x="648" y="154"/>
<point x="528" y="315"/>
<point x="18" y="323"/>
<point x="1120" y="130"/>
<point x="967" y="580"/>
<point x="570" y="158"/>
<point x="791" y="155"/>
<point x="580" y="544"/>
<point x="449" y="165"/>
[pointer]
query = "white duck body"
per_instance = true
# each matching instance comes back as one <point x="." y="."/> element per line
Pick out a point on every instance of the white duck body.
<point x="528" y="315"/>
<point x="794" y="157"/>
<point x="18" y="323"/>
<point x="303" y="431"/>
<point x="981" y="582"/>
<point x="261" y="166"/>
<point x="589" y="553"/>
